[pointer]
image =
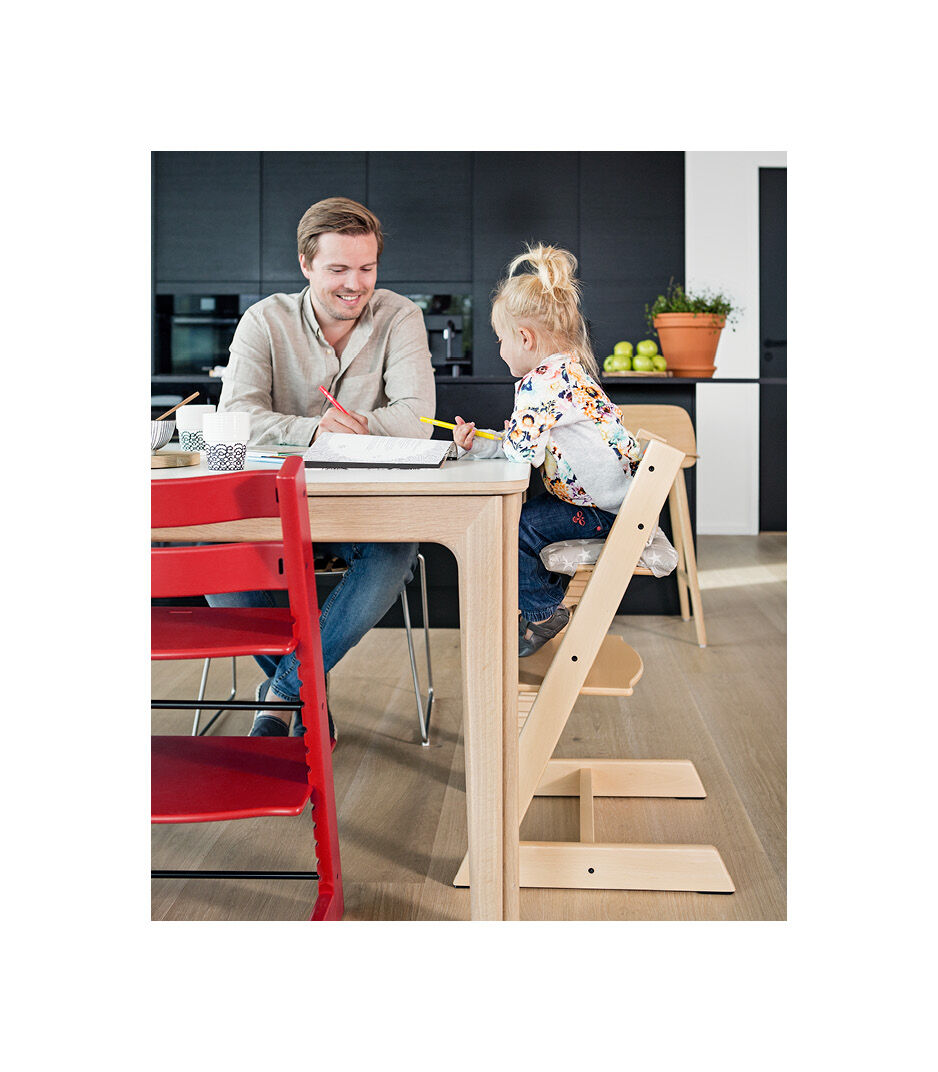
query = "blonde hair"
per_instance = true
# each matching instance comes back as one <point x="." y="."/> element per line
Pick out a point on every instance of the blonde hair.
<point x="336" y="214"/>
<point x="547" y="299"/>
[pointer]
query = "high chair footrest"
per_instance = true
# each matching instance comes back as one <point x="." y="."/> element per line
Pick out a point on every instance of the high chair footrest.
<point x="214" y="632"/>
<point x="208" y="779"/>
<point x="616" y="668"/>
<point x="581" y="866"/>
<point x="573" y="865"/>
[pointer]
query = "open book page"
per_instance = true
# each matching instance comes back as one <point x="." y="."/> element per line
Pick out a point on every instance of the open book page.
<point x="343" y="450"/>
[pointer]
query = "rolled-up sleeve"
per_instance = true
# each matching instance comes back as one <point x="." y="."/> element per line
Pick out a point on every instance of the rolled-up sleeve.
<point x="408" y="381"/>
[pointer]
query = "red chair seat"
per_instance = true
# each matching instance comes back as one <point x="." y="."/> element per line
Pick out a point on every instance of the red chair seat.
<point x="215" y="632"/>
<point x="209" y="779"/>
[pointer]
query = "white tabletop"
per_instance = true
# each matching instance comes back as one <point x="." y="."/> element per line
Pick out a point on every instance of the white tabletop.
<point x="466" y="476"/>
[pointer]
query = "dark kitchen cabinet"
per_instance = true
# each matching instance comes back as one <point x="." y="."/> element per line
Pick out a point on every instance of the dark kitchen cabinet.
<point x="631" y="239"/>
<point x="207" y="220"/>
<point x="424" y="202"/>
<point x="226" y="222"/>
<point x="291" y="182"/>
<point x="773" y="361"/>
<point x="517" y="198"/>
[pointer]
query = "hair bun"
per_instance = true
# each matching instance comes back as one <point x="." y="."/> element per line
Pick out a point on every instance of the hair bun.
<point x="554" y="268"/>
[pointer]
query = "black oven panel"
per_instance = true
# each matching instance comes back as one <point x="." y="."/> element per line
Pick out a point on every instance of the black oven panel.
<point x="194" y="331"/>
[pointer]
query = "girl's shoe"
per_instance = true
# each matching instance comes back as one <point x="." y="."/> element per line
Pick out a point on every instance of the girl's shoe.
<point x="534" y="635"/>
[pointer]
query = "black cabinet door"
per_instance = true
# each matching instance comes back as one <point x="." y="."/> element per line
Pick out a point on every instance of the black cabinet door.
<point x="424" y="202"/>
<point x="517" y="198"/>
<point x="631" y="240"/>
<point x="773" y="361"/>
<point x="207" y="217"/>
<point x="291" y="183"/>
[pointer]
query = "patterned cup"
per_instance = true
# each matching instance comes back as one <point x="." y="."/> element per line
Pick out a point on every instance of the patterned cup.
<point x="189" y="423"/>
<point x="191" y="440"/>
<point x="226" y="440"/>
<point x="226" y="457"/>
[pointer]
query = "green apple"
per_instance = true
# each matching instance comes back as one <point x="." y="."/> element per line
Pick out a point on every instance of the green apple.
<point x="647" y="348"/>
<point x="623" y="348"/>
<point x="659" y="362"/>
<point x="617" y="363"/>
<point x="643" y="363"/>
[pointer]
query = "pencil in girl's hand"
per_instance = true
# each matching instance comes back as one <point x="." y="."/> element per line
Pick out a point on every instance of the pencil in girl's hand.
<point x="333" y="401"/>
<point x="444" y="424"/>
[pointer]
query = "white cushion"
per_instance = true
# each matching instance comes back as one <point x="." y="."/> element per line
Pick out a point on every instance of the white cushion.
<point x="565" y="555"/>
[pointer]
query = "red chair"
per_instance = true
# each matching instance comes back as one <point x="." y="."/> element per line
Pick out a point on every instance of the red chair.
<point x="211" y="779"/>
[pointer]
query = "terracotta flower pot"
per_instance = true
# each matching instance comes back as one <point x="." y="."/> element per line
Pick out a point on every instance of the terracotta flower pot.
<point x="689" y="342"/>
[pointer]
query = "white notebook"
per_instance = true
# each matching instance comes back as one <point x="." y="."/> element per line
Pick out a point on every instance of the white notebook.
<point x="341" y="450"/>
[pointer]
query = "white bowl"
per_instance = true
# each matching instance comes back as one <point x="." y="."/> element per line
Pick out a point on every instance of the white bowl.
<point x="161" y="433"/>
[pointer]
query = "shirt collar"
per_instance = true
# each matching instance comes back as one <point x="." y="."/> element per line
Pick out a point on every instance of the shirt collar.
<point x="363" y="325"/>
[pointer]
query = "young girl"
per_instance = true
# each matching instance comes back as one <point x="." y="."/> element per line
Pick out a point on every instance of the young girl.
<point x="562" y="420"/>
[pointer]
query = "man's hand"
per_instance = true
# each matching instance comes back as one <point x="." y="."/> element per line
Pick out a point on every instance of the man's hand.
<point x="334" y="420"/>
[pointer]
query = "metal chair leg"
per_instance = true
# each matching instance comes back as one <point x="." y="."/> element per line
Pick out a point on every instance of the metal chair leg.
<point x="196" y="732"/>
<point x="423" y="706"/>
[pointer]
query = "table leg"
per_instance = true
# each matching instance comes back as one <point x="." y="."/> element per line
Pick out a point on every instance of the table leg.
<point x="481" y="595"/>
<point x="511" y="509"/>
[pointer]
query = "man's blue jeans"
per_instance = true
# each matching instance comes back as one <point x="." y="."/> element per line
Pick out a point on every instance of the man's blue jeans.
<point x="545" y="519"/>
<point x="376" y="574"/>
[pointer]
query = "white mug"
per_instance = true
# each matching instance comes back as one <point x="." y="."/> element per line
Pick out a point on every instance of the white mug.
<point x="189" y="418"/>
<point x="226" y="440"/>
<point x="226" y="427"/>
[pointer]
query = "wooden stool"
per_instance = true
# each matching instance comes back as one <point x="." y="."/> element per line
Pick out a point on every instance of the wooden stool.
<point x="673" y="425"/>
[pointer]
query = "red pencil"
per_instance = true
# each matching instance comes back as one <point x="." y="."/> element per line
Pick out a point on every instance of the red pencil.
<point x="333" y="401"/>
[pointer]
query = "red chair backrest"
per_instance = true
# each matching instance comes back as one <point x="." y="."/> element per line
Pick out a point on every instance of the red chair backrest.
<point x="233" y="567"/>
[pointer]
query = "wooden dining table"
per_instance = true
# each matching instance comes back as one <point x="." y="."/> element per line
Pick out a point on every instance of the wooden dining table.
<point x="471" y="507"/>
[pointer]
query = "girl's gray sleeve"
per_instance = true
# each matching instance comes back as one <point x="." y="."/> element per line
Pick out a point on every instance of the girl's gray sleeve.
<point x="484" y="448"/>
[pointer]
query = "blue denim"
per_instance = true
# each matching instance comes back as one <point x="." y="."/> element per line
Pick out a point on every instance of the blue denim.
<point x="376" y="575"/>
<point x="545" y="519"/>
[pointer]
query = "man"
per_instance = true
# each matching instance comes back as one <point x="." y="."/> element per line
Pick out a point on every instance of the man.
<point x="368" y="348"/>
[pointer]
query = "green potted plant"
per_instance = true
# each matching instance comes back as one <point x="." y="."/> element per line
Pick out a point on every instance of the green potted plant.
<point x="688" y="327"/>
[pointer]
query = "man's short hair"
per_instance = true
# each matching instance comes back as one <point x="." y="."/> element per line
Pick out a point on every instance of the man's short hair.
<point x="336" y="214"/>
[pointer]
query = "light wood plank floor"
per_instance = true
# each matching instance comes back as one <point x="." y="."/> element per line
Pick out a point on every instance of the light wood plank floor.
<point x="402" y="816"/>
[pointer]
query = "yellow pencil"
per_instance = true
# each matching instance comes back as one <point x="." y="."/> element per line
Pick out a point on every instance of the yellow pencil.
<point x="443" y="424"/>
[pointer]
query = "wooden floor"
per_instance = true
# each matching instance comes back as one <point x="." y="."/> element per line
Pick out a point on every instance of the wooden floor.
<point x="402" y="808"/>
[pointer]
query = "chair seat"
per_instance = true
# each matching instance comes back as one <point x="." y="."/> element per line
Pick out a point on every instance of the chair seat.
<point x="210" y="779"/>
<point x="658" y="558"/>
<point x="210" y="632"/>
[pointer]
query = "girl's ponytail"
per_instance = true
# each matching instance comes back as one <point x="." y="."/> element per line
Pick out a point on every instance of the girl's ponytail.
<point x="547" y="296"/>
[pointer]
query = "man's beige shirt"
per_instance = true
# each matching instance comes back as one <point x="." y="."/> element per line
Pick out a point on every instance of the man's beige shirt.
<point x="279" y="359"/>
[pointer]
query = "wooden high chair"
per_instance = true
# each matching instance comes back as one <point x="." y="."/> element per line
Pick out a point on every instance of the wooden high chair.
<point x="584" y="659"/>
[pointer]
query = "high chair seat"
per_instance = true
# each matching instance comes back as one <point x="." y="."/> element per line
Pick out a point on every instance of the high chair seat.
<point x="658" y="558"/>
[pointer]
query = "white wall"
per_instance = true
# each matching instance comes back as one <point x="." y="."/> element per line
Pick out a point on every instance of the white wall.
<point x="721" y="249"/>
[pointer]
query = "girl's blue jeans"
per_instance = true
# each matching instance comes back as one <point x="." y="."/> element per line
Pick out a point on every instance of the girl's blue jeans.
<point x="546" y="519"/>
<point x="376" y="575"/>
